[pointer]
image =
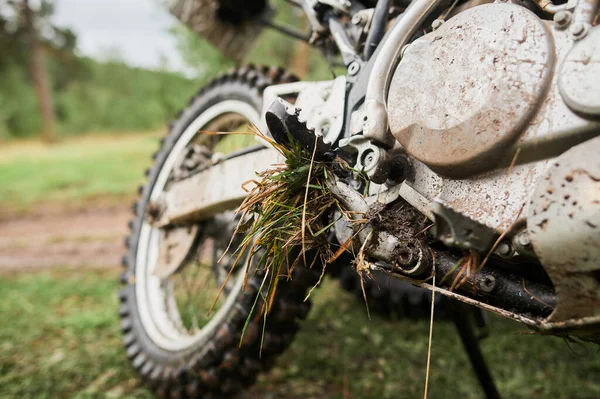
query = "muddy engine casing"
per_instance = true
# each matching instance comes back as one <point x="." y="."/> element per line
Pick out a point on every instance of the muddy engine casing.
<point x="500" y="112"/>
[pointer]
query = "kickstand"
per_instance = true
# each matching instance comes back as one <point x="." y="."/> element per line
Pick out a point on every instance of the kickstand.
<point x="461" y="316"/>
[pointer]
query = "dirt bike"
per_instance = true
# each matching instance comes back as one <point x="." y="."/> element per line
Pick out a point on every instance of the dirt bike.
<point x="473" y="126"/>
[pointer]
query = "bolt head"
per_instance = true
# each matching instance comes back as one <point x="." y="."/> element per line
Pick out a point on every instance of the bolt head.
<point x="437" y="23"/>
<point x="357" y="19"/>
<point x="578" y="30"/>
<point x="504" y="249"/>
<point x="368" y="159"/>
<point x="488" y="284"/>
<point x="524" y="239"/>
<point x="353" y="68"/>
<point x="562" y="19"/>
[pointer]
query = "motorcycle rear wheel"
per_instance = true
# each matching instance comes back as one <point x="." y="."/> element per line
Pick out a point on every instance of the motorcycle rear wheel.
<point x="176" y="357"/>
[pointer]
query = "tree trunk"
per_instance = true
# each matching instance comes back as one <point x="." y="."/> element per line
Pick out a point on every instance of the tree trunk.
<point x="39" y="75"/>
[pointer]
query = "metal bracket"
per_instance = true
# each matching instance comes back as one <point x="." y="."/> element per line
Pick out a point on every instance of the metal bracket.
<point x="409" y="257"/>
<point x="457" y="230"/>
<point x="349" y="54"/>
<point x="309" y="7"/>
<point x="371" y="159"/>
<point x="321" y="104"/>
<point x="340" y="5"/>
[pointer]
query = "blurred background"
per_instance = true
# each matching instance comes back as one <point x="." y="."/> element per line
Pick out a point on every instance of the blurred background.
<point x="87" y="88"/>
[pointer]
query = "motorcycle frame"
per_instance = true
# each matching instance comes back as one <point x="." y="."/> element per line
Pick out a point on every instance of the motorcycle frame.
<point x="368" y="81"/>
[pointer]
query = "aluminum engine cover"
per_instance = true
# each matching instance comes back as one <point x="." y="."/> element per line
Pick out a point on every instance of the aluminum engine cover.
<point x="463" y="94"/>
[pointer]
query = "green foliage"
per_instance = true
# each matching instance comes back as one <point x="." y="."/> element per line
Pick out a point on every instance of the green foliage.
<point x="19" y="109"/>
<point x="14" y="35"/>
<point x="199" y="55"/>
<point x="105" y="97"/>
<point x="88" y="95"/>
<point x="274" y="48"/>
<point x="19" y="113"/>
<point x="117" y="97"/>
<point x="92" y="96"/>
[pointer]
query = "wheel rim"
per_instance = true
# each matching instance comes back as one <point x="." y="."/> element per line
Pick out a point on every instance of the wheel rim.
<point x="156" y="299"/>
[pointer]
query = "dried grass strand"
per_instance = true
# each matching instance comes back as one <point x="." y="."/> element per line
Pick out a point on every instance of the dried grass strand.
<point x="312" y="160"/>
<point x="430" y="338"/>
<point x="504" y="233"/>
<point x="364" y="270"/>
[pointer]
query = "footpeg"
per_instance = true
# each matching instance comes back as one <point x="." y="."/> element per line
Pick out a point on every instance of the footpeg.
<point x="285" y="126"/>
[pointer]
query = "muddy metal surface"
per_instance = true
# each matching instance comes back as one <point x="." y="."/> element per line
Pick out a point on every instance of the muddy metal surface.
<point x="65" y="237"/>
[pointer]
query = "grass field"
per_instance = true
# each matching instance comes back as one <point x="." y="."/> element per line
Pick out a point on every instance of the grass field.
<point x="75" y="170"/>
<point x="60" y="338"/>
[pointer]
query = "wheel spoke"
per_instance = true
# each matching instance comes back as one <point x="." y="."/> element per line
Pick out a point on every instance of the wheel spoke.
<point x="196" y="284"/>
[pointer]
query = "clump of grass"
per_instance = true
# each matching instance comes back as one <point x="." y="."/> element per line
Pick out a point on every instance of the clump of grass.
<point x="286" y="216"/>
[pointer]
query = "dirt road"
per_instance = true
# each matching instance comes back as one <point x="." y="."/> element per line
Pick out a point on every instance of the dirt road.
<point x="64" y="236"/>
